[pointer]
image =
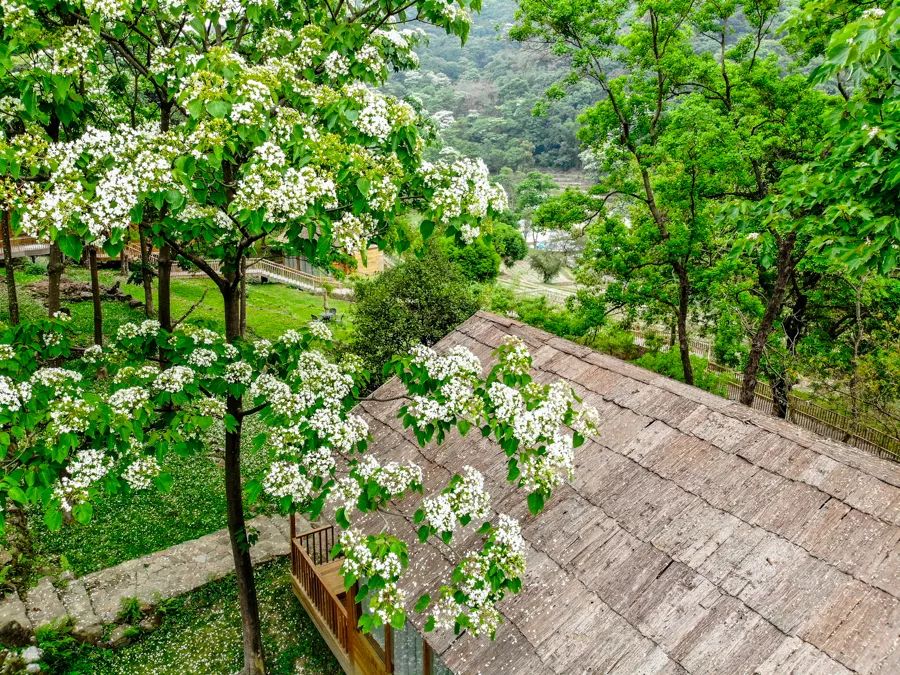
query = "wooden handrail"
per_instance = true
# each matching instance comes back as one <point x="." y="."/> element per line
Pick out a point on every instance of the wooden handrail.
<point x="328" y="606"/>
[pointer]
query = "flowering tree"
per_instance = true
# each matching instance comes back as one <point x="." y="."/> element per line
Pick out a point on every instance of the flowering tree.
<point x="64" y="443"/>
<point x="269" y="127"/>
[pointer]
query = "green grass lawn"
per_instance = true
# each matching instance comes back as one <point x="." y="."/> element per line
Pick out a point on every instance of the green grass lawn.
<point x="201" y="634"/>
<point x="271" y="308"/>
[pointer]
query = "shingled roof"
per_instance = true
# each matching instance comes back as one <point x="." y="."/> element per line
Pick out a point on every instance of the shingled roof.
<point x="697" y="536"/>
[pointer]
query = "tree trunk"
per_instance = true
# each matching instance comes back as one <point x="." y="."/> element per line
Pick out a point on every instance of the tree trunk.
<point x="785" y="267"/>
<point x="684" y="346"/>
<point x="95" y="296"/>
<point x="793" y="329"/>
<point x="781" y="390"/>
<point x="54" y="273"/>
<point x="165" y="287"/>
<point x="243" y="285"/>
<point x="254" y="663"/>
<point x="11" y="291"/>
<point x="146" y="271"/>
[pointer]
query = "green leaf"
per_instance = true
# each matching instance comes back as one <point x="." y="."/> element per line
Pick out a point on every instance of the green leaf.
<point x="218" y="109"/>
<point x="70" y="246"/>
<point x="53" y="519"/>
<point x="164" y="481"/>
<point x="429" y="624"/>
<point x="423" y="602"/>
<point x="83" y="512"/>
<point x="536" y="502"/>
<point x="426" y="227"/>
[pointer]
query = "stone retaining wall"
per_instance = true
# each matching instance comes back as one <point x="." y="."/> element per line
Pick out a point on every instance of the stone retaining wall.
<point x="95" y="600"/>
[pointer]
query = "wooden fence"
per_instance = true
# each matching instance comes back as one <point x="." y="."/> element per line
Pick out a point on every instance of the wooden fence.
<point x="803" y="413"/>
<point x="263" y="269"/>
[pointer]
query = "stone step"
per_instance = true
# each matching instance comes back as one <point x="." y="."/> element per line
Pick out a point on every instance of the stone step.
<point x="44" y="604"/>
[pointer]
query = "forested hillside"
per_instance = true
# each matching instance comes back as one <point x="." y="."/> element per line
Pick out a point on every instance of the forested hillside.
<point x="485" y="93"/>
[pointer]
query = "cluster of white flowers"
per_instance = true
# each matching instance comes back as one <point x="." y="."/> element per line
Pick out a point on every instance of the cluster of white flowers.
<point x="15" y="14"/>
<point x="345" y="493"/>
<point x="319" y="463"/>
<point x="110" y="10"/>
<point x="70" y="415"/>
<point x="148" y="328"/>
<point x="394" y="477"/>
<point x="85" y="469"/>
<point x="284" y="193"/>
<point x="458" y="362"/>
<point x="456" y="400"/>
<point x="73" y="53"/>
<point x="285" y="479"/>
<point x="463" y="187"/>
<point x="92" y="354"/>
<point x="360" y="561"/>
<point x="336" y="66"/>
<point x="262" y="348"/>
<point x="238" y="372"/>
<point x="371" y="58"/>
<point x="350" y="234"/>
<point x="126" y="402"/>
<point x="466" y="499"/>
<point x="504" y="552"/>
<point x="320" y="330"/>
<point x="374" y="117"/>
<point x="202" y="358"/>
<point x="141" y="472"/>
<point x="13" y="396"/>
<point x="873" y="13"/>
<point x="253" y="108"/>
<point x="514" y="356"/>
<point x="55" y="378"/>
<point x="7" y="352"/>
<point x="546" y="471"/>
<point x="341" y="434"/>
<point x="174" y="379"/>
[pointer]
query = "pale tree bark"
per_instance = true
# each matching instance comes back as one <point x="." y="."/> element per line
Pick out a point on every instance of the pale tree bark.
<point x="11" y="290"/>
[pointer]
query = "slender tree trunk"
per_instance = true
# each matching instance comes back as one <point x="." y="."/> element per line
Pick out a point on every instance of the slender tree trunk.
<point x="146" y="271"/>
<point x="11" y="291"/>
<point x="243" y="323"/>
<point x="684" y="346"/>
<point x="95" y="296"/>
<point x="54" y="274"/>
<point x="165" y="251"/>
<point x="254" y="662"/>
<point x="165" y="287"/>
<point x="785" y="267"/>
<point x="793" y="330"/>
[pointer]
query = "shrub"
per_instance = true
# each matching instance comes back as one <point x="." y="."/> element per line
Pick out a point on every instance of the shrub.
<point x="509" y="244"/>
<point x="616" y="341"/>
<point x="546" y="263"/>
<point x="478" y="261"/>
<point x="419" y="300"/>
<point x="669" y="364"/>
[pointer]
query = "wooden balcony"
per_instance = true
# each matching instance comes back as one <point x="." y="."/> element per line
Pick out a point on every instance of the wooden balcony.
<point x="319" y="586"/>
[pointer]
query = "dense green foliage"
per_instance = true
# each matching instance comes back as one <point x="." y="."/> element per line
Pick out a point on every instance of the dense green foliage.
<point x="487" y="91"/>
<point x="201" y="634"/>
<point x="418" y="301"/>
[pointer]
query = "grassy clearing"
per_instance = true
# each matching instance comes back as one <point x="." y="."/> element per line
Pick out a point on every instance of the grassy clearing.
<point x="201" y="634"/>
<point x="272" y="308"/>
<point x="127" y="526"/>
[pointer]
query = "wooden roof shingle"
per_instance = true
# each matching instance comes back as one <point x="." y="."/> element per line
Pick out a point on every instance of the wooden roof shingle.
<point x="697" y="536"/>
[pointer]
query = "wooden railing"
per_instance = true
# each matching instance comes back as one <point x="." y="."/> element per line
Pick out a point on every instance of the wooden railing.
<point x="318" y="544"/>
<point x="804" y="413"/>
<point x="259" y="268"/>
<point x="305" y="550"/>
